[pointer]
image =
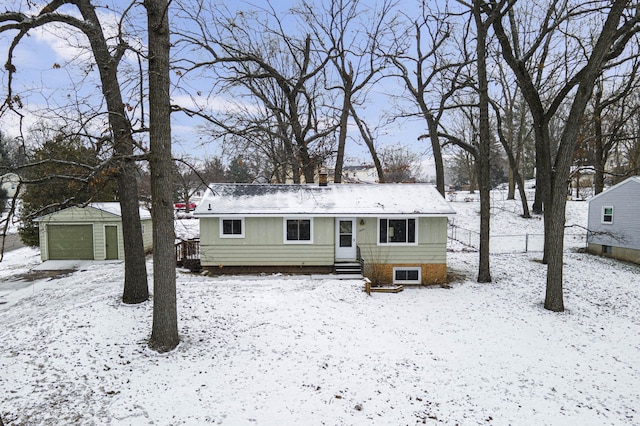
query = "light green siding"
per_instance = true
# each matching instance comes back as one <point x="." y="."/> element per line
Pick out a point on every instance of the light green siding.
<point x="431" y="246"/>
<point x="147" y="235"/>
<point x="264" y="244"/>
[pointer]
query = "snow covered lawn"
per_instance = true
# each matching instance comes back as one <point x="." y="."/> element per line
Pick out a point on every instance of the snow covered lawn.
<point x="281" y="350"/>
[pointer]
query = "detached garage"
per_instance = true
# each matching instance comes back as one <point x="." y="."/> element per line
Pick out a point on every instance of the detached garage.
<point x="93" y="232"/>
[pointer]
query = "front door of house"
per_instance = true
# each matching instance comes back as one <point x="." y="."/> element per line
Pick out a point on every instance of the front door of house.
<point x="345" y="239"/>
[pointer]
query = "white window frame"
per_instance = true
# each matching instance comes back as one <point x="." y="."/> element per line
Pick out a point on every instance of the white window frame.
<point x="284" y="230"/>
<point x="415" y="243"/>
<point x="407" y="268"/>
<point x="223" y="235"/>
<point x="602" y="216"/>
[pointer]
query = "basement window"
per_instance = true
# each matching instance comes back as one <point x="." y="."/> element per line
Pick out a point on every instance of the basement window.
<point x="407" y="275"/>
<point x="606" y="249"/>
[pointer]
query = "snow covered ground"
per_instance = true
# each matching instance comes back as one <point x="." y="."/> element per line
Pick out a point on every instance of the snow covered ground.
<point x="280" y="350"/>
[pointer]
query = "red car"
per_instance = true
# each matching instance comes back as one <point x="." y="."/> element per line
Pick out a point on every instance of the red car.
<point x="183" y="206"/>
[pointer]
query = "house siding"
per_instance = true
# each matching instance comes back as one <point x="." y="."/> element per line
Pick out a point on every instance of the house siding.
<point x="147" y="235"/>
<point x="263" y="244"/>
<point x="429" y="254"/>
<point x="431" y="247"/>
<point x="624" y="232"/>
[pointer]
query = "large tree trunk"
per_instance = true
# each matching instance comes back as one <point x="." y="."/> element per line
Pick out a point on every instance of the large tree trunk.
<point x="554" y="299"/>
<point x="136" y="289"/>
<point x="437" y="152"/>
<point x="308" y="167"/>
<point x="484" y="146"/>
<point x="342" y="136"/>
<point x="135" y="277"/>
<point x="164" y="334"/>
<point x="537" y="206"/>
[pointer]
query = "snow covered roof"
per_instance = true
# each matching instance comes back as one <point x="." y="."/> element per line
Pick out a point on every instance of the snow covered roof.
<point x="107" y="207"/>
<point x="114" y="208"/>
<point x="634" y="179"/>
<point x="331" y="200"/>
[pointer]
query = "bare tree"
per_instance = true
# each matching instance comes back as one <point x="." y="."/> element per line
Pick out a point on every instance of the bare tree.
<point x="509" y="141"/>
<point x="514" y="132"/>
<point x="252" y="50"/>
<point x="164" y="333"/>
<point x="613" y="108"/>
<point x="107" y="59"/>
<point x="433" y="68"/>
<point x="349" y="32"/>
<point x="609" y="25"/>
<point x="400" y="163"/>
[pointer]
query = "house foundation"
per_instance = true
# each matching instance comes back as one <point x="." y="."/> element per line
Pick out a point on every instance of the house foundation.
<point x="382" y="273"/>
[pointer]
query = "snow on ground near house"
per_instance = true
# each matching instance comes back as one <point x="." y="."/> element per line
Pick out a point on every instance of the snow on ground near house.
<point x="291" y="350"/>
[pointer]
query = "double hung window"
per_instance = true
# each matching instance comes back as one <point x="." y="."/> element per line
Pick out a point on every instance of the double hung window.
<point x="607" y="214"/>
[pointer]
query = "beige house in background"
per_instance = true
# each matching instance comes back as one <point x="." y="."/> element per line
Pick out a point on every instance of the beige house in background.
<point x="9" y="183"/>
<point x="391" y="233"/>
<point x="93" y="232"/>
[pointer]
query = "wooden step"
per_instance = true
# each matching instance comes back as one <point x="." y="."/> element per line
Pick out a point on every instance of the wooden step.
<point x="391" y="288"/>
<point x="387" y="288"/>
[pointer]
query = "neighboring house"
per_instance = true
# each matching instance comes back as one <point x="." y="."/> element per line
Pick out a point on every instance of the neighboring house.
<point x="398" y="231"/>
<point x="614" y="221"/>
<point x="93" y="232"/>
<point x="196" y="195"/>
<point x="9" y="182"/>
<point x="359" y="174"/>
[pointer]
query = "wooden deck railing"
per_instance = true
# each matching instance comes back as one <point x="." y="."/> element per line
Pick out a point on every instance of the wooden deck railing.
<point x="188" y="253"/>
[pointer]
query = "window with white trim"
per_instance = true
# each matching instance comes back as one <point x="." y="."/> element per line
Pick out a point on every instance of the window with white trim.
<point x="298" y="231"/>
<point x="607" y="214"/>
<point x="403" y="275"/>
<point x="232" y="228"/>
<point x="397" y="231"/>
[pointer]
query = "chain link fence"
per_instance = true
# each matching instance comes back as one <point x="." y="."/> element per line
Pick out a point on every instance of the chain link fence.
<point x="520" y="243"/>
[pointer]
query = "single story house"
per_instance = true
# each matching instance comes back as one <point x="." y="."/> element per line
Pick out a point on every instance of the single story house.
<point x="396" y="232"/>
<point x="93" y="232"/>
<point x="614" y="221"/>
